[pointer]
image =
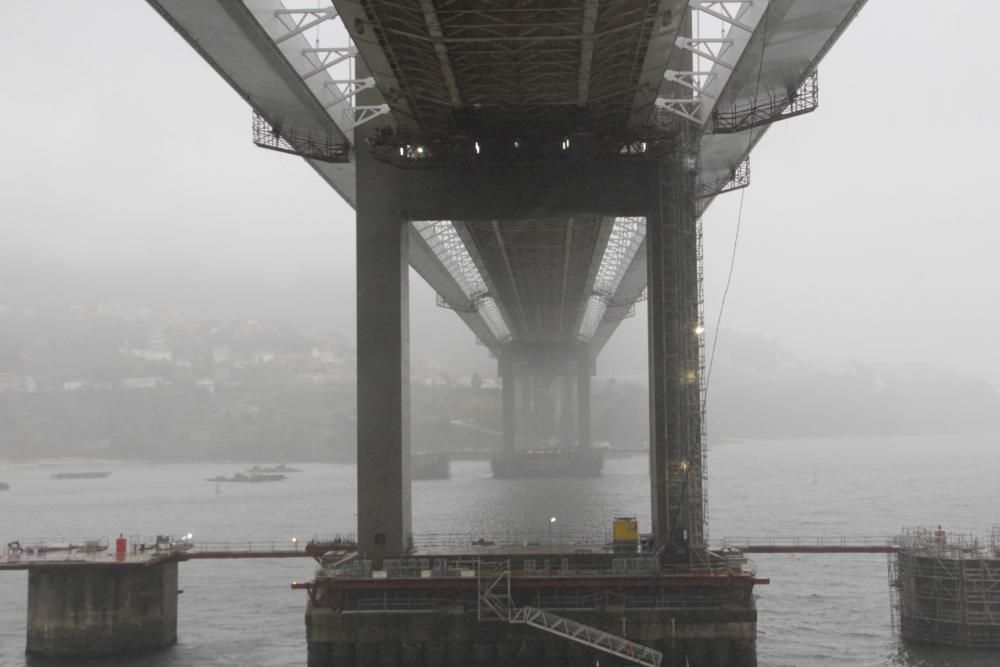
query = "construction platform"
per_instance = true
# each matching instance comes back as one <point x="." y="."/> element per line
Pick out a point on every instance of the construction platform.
<point x="547" y="462"/>
<point x="553" y="605"/>
<point x="947" y="588"/>
<point x="430" y="466"/>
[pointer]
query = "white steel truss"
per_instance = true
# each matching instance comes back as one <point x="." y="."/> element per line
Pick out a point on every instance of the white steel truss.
<point x="328" y="57"/>
<point x="716" y="49"/>
<point x="688" y="108"/>
<point x="311" y="59"/>
<point x="731" y="12"/>
<point x="627" y="235"/>
<point x="695" y="81"/>
<point x="303" y="19"/>
<point x="490" y="312"/>
<point x="447" y="245"/>
<point x="712" y="49"/>
<point x="444" y="240"/>
<point x="345" y="88"/>
<point x="359" y="115"/>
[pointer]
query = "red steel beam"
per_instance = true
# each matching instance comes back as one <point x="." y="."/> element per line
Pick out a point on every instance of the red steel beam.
<point x="222" y="555"/>
<point x="819" y="549"/>
<point x="528" y="583"/>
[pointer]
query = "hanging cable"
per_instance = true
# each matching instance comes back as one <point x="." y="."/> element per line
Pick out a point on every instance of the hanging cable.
<point x="739" y="220"/>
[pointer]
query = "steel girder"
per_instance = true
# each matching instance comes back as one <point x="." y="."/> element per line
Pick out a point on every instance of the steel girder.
<point x="539" y="270"/>
<point x="537" y="68"/>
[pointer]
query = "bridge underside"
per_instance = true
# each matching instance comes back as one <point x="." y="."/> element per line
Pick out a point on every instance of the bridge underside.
<point x="542" y="163"/>
<point x="541" y="269"/>
<point x="454" y="70"/>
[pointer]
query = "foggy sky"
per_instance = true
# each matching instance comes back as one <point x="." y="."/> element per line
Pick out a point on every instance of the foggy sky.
<point x="867" y="232"/>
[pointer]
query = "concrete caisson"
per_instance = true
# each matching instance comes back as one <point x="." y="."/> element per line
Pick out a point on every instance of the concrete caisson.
<point x="96" y="610"/>
<point x="432" y="611"/>
<point x="719" y="637"/>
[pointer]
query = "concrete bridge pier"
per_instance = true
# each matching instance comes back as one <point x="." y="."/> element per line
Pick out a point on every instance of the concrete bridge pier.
<point x="546" y="394"/>
<point x="707" y="615"/>
<point x="674" y="318"/>
<point x="508" y="426"/>
<point x="383" y="362"/>
<point x="584" y="369"/>
<point x="92" y="611"/>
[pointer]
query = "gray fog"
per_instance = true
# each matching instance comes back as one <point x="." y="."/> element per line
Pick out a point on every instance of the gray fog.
<point x="867" y="232"/>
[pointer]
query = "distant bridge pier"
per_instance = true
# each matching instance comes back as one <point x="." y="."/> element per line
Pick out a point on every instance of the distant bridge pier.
<point x="584" y="369"/>
<point x="566" y="394"/>
<point x="508" y="426"/>
<point x="546" y="394"/>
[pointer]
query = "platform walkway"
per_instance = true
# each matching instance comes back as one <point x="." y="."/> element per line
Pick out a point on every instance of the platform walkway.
<point x="25" y="555"/>
<point x="821" y="544"/>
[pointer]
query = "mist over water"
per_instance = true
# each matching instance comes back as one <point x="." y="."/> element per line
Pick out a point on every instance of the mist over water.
<point x="862" y="303"/>
<point x="818" y="611"/>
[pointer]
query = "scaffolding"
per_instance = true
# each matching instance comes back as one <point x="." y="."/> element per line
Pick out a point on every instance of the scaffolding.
<point x="946" y="588"/>
<point x="768" y="108"/>
<point x="295" y="141"/>
<point x="735" y="179"/>
<point x="682" y="304"/>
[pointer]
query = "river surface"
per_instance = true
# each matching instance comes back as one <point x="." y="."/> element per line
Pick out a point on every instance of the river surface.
<point x="817" y="610"/>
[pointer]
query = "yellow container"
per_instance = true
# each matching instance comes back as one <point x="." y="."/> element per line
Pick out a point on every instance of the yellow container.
<point x="626" y="529"/>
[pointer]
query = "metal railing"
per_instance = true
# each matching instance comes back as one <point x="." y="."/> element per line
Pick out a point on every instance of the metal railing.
<point x="250" y="546"/>
<point x="807" y="541"/>
<point x="295" y="141"/>
<point x="562" y="538"/>
<point x="588" y="636"/>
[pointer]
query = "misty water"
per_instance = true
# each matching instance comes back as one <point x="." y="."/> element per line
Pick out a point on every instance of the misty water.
<point x="817" y="610"/>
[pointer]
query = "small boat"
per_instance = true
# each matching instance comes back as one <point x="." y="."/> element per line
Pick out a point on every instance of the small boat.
<point x="429" y="466"/>
<point x="81" y="475"/>
<point x="281" y="467"/>
<point x="252" y="478"/>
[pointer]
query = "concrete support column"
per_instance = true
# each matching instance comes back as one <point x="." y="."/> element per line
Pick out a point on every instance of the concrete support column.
<point x="509" y="424"/>
<point x="567" y="408"/>
<point x="547" y="406"/>
<point x="672" y="241"/>
<point x="94" y="611"/>
<point x="524" y="407"/>
<point x="383" y="362"/>
<point x="583" y="370"/>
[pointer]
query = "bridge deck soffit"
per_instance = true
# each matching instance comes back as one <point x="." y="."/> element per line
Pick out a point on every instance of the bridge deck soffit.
<point x="540" y="269"/>
<point x="540" y="71"/>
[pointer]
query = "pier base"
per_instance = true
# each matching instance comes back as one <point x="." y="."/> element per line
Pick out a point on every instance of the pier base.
<point x="720" y="638"/>
<point x="101" y="609"/>
<point x="432" y="616"/>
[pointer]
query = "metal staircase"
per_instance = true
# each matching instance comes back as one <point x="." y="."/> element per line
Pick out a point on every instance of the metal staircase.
<point x="496" y="604"/>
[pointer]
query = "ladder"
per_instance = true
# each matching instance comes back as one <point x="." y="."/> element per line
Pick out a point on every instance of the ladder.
<point x="496" y="604"/>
